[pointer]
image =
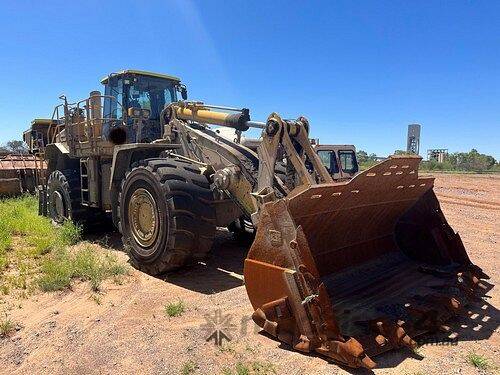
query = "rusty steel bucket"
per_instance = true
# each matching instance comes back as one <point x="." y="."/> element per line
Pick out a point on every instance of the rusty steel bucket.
<point x="353" y="269"/>
<point x="19" y="174"/>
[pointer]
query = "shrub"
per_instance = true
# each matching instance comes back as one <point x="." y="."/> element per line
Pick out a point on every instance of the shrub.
<point x="7" y="326"/>
<point x="62" y="266"/>
<point x="478" y="361"/>
<point x="173" y="309"/>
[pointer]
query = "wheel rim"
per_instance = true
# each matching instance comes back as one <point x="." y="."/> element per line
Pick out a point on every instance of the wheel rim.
<point x="143" y="218"/>
<point x="58" y="200"/>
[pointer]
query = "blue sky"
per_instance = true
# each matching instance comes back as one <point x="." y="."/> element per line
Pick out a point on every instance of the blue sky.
<point x="359" y="70"/>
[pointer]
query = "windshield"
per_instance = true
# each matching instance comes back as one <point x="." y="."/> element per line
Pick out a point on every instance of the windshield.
<point x="149" y="93"/>
<point x="348" y="161"/>
<point x="139" y="92"/>
<point x="329" y="160"/>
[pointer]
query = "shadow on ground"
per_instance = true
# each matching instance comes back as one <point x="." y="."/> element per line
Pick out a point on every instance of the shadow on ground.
<point x="221" y="270"/>
<point x="477" y="322"/>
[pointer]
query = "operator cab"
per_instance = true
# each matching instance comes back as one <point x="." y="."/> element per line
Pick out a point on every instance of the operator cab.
<point x="142" y="95"/>
<point x="339" y="160"/>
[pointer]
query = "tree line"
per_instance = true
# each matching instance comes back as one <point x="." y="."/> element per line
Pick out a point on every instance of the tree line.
<point x="14" y="147"/>
<point x="472" y="161"/>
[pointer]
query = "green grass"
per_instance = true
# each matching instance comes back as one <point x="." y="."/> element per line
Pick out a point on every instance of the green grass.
<point x="19" y="218"/>
<point x="36" y="254"/>
<point x="263" y="368"/>
<point x="189" y="368"/>
<point x="254" y="368"/>
<point x="62" y="266"/>
<point x="7" y="326"/>
<point x="242" y="369"/>
<point x="174" y="309"/>
<point x="478" y="361"/>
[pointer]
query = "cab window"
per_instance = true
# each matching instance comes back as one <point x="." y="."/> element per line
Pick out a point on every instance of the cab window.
<point x="114" y="88"/>
<point x="150" y="93"/>
<point x="348" y="161"/>
<point x="329" y="160"/>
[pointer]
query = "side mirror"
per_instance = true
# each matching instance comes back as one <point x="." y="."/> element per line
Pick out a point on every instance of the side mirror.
<point x="184" y="92"/>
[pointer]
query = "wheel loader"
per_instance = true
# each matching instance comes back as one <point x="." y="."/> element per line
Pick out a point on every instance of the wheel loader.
<point x="347" y="268"/>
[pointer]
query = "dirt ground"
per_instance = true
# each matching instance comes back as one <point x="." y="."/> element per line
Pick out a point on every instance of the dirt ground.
<point x="126" y="331"/>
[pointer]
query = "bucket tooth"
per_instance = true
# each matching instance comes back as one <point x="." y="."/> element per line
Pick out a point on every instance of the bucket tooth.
<point x="425" y="318"/>
<point x="303" y="344"/>
<point x="451" y="304"/>
<point x="478" y="271"/>
<point x="321" y="268"/>
<point x="276" y="319"/>
<point x="469" y="277"/>
<point x="393" y="332"/>
<point x="350" y="353"/>
<point x="433" y="310"/>
<point x="472" y="281"/>
<point x="374" y="343"/>
<point x="445" y="328"/>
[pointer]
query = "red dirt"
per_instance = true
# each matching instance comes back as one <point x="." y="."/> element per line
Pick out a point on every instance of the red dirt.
<point x="69" y="333"/>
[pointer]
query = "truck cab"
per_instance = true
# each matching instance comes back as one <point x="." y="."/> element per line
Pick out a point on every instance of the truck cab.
<point x="339" y="160"/>
<point x="37" y="137"/>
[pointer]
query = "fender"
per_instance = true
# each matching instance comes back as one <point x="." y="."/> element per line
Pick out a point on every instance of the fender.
<point x="124" y="156"/>
<point x="57" y="157"/>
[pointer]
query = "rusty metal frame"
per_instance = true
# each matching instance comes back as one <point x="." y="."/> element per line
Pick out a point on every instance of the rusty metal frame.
<point x="286" y="267"/>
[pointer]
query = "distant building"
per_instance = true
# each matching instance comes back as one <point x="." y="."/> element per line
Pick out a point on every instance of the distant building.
<point x="437" y="154"/>
<point x="413" y="140"/>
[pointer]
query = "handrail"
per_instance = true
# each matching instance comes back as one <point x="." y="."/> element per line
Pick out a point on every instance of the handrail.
<point x="88" y="121"/>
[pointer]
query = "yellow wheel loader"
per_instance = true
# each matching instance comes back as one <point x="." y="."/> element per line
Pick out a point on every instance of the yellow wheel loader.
<point x="344" y="267"/>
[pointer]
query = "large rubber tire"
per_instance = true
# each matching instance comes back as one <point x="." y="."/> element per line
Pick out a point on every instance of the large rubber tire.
<point x="242" y="230"/>
<point x="178" y="200"/>
<point x="64" y="198"/>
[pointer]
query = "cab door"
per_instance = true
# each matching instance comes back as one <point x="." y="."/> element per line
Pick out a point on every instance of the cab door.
<point x="330" y="161"/>
<point x="339" y="160"/>
<point x="348" y="163"/>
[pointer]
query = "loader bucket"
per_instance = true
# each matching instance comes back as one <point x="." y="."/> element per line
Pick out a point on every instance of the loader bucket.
<point x="353" y="269"/>
<point x="18" y="174"/>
